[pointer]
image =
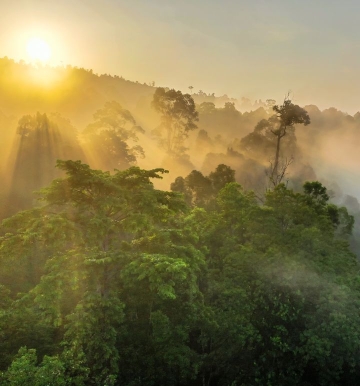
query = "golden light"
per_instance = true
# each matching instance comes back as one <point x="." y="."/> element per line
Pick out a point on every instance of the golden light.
<point x="38" y="50"/>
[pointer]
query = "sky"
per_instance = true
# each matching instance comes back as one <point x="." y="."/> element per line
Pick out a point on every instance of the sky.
<point x="258" y="49"/>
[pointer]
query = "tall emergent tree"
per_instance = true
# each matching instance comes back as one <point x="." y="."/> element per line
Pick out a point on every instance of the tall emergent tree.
<point x="178" y="117"/>
<point x="286" y="116"/>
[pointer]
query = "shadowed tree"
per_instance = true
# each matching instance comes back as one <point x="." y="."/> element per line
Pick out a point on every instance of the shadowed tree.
<point x="200" y="190"/>
<point x="259" y="144"/>
<point x="221" y="176"/>
<point x="178" y="117"/>
<point x="41" y="140"/>
<point x="207" y="108"/>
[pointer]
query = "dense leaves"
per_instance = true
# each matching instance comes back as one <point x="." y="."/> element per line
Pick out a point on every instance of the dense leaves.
<point x="113" y="282"/>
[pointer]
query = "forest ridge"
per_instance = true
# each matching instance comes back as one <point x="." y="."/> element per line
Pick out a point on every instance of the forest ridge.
<point x="173" y="239"/>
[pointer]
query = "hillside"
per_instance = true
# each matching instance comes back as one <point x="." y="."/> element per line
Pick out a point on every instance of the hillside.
<point x="324" y="150"/>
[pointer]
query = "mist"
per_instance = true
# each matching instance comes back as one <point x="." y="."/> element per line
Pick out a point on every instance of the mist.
<point x="325" y="150"/>
<point x="152" y="236"/>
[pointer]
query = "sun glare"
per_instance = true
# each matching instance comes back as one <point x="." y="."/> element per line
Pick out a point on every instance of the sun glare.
<point x="38" y="50"/>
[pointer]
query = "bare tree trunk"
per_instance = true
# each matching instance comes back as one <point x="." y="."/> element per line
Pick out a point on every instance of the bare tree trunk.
<point x="275" y="170"/>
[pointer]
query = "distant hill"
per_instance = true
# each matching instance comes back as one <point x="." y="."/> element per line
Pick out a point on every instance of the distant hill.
<point x="73" y="92"/>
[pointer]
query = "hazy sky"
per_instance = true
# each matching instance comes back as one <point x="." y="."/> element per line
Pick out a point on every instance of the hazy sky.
<point x="257" y="49"/>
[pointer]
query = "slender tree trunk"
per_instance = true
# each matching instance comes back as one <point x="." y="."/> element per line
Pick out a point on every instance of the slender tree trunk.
<point x="274" y="174"/>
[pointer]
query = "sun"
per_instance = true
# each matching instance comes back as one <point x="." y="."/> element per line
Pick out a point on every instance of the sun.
<point x="38" y="50"/>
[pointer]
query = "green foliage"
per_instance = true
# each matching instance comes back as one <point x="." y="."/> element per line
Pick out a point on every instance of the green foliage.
<point x="221" y="176"/>
<point x="24" y="371"/>
<point x="316" y="192"/>
<point x="113" y="282"/>
<point x="199" y="190"/>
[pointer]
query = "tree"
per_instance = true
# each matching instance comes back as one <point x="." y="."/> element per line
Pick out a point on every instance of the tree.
<point x="229" y="106"/>
<point x="269" y="105"/>
<point x="200" y="186"/>
<point x="24" y="371"/>
<point x="180" y="185"/>
<point x="207" y="108"/>
<point x="134" y="288"/>
<point x="114" y="269"/>
<point x="178" y="117"/>
<point x="200" y="190"/>
<point x="110" y="136"/>
<point x="286" y="116"/>
<point x="260" y="142"/>
<point x="221" y="176"/>
<point x="279" y="283"/>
